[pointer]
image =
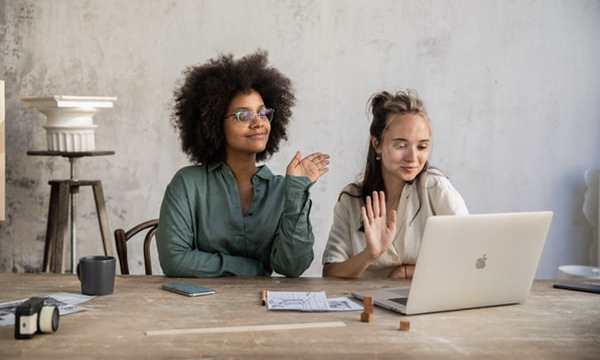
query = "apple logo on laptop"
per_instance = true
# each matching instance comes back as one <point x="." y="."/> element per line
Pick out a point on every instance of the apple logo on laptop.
<point x="480" y="263"/>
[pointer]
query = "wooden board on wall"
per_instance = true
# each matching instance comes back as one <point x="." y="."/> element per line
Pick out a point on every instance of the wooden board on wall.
<point x="2" y="155"/>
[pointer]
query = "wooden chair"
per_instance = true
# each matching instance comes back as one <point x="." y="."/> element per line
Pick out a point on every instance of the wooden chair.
<point x="122" y="236"/>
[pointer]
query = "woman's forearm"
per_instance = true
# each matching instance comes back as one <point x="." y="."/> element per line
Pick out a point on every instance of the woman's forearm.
<point x="354" y="267"/>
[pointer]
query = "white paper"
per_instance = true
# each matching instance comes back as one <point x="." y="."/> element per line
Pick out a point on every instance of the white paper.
<point x="66" y="303"/>
<point x="343" y="304"/>
<point x="308" y="301"/>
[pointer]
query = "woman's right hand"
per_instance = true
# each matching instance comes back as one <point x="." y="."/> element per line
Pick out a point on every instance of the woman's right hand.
<point x="380" y="228"/>
<point x="313" y="166"/>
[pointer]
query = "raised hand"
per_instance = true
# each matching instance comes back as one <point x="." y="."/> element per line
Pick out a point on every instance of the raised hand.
<point x="380" y="228"/>
<point x="313" y="166"/>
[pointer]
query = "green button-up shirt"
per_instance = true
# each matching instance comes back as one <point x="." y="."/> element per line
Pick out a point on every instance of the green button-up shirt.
<point x="202" y="231"/>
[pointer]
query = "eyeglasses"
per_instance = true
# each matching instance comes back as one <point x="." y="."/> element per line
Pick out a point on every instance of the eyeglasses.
<point x="247" y="115"/>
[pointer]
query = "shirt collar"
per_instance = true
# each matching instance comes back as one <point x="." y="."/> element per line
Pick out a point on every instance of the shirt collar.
<point x="263" y="171"/>
<point x="214" y="166"/>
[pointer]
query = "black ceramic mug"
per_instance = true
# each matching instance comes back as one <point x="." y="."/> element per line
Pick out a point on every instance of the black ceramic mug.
<point x="97" y="274"/>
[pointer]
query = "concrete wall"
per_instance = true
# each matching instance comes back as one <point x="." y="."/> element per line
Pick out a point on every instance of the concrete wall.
<point x="512" y="88"/>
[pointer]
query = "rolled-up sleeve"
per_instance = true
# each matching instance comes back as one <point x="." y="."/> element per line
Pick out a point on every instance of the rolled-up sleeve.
<point x="292" y="250"/>
<point x="446" y="200"/>
<point x="339" y="247"/>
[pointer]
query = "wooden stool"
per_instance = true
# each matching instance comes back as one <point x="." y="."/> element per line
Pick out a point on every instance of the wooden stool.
<point x="58" y="218"/>
<point x="62" y="196"/>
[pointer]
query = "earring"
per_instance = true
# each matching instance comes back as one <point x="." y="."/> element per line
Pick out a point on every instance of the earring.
<point x="378" y="157"/>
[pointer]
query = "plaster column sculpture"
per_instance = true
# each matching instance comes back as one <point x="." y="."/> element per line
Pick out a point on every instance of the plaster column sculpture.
<point x="69" y="119"/>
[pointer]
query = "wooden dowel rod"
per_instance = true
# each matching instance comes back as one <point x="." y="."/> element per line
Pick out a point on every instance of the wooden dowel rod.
<point x="246" y="328"/>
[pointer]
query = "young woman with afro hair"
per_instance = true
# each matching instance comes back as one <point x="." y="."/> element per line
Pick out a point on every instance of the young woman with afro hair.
<point x="227" y="215"/>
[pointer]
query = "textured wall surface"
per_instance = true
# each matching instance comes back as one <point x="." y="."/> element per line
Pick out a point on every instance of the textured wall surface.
<point x="512" y="89"/>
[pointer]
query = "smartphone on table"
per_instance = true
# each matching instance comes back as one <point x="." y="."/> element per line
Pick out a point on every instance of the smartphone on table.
<point x="188" y="289"/>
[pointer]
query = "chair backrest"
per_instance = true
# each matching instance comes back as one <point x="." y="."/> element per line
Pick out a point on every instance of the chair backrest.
<point x="121" y="238"/>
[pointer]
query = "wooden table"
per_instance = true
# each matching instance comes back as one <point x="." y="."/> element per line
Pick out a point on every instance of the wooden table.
<point x="551" y="324"/>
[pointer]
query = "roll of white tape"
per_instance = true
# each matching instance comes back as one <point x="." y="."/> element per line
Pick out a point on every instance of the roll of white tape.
<point x="48" y="321"/>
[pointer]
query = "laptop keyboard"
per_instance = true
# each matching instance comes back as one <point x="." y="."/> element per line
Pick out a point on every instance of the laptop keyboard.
<point x="400" y="300"/>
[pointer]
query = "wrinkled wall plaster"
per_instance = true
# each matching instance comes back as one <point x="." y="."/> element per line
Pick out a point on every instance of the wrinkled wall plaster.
<point x="512" y="89"/>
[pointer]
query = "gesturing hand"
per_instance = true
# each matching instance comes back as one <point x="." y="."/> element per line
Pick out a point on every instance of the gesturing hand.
<point x="312" y="166"/>
<point x="379" y="228"/>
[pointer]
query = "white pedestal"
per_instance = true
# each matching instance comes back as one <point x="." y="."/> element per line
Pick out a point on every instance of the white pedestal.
<point x="69" y="119"/>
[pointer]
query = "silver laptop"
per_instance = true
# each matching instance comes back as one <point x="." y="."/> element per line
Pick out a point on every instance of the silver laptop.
<point x="470" y="261"/>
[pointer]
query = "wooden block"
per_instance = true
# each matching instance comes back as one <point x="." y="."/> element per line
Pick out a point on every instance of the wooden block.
<point x="368" y="309"/>
<point x="366" y="317"/>
<point x="404" y="325"/>
<point x="368" y="300"/>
